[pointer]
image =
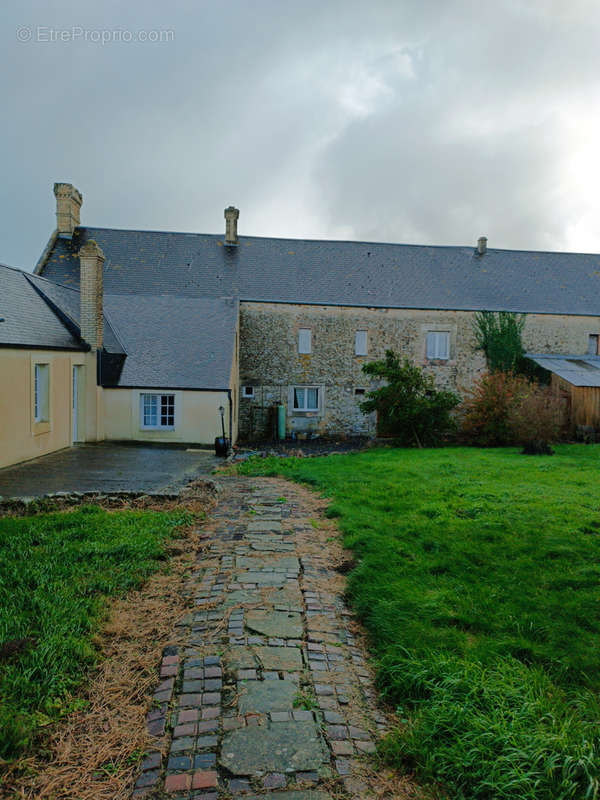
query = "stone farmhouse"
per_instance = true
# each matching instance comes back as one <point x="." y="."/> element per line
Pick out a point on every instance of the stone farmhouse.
<point x="145" y="335"/>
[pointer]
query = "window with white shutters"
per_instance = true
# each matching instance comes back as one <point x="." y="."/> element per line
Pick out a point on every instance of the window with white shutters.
<point x="438" y="345"/>
<point x="304" y="340"/>
<point x="360" y="343"/>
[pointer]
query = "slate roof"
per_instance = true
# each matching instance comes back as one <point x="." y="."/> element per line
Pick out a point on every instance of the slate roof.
<point x="28" y="321"/>
<point x="66" y="300"/>
<point x="174" y="342"/>
<point x="577" y="370"/>
<point x="335" y="273"/>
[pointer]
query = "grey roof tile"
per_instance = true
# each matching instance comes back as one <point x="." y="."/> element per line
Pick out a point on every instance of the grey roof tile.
<point x="175" y="342"/>
<point x="66" y="299"/>
<point x="337" y="273"/>
<point x="28" y="321"/>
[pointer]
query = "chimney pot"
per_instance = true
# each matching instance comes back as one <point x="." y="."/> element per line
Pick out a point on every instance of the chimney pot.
<point x="482" y="245"/>
<point x="91" y="265"/>
<point x="231" y="217"/>
<point x="68" y="206"/>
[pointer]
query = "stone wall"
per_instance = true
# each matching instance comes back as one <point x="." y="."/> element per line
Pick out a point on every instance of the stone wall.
<point x="271" y="364"/>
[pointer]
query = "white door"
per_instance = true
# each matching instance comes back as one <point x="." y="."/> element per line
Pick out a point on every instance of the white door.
<point x="75" y="403"/>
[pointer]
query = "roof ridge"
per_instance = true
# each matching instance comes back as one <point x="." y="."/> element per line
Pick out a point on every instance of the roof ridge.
<point x="343" y="241"/>
<point x="15" y="269"/>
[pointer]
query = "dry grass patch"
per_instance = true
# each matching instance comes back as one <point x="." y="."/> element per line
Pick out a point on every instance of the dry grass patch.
<point x="94" y="753"/>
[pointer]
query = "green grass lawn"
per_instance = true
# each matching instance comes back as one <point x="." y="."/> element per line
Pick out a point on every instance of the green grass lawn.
<point x="56" y="571"/>
<point x="478" y="580"/>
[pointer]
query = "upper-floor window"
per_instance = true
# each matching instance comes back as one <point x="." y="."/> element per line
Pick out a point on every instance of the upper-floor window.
<point x="593" y="339"/>
<point x="41" y="392"/>
<point x="304" y="340"/>
<point x="248" y="391"/>
<point x="157" y="411"/>
<point x="438" y="345"/>
<point x="360" y="343"/>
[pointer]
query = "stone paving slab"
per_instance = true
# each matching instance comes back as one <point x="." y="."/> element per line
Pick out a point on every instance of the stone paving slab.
<point x="282" y="747"/>
<point x="280" y="624"/>
<point x="266" y="696"/>
<point x="264" y="578"/>
<point x="310" y="794"/>
<point x="281" y="563"/>
<point x="264" y="525"/>
<point x="280" y="659"/>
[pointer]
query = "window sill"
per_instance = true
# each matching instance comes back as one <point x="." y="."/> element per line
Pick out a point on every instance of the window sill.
<point x="158" y="428"/>
<point x="41" y="427"/>
<point x="297" y="413"/>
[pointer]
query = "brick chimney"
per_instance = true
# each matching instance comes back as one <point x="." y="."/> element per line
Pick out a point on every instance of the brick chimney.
<point x="91" y="264"/>
<point x="68" y="205"/>
<point x="231" y="217"/>
<point x="481" y="245"/>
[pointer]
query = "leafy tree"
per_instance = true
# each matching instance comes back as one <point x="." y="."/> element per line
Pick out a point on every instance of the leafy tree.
<point x="408" y="405"/>
<point x="499" y="336"/>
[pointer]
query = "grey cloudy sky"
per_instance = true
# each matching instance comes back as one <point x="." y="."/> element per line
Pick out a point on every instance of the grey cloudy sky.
<point x="425" y="121"/>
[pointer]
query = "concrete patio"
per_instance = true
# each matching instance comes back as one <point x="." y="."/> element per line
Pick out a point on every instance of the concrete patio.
<point x="107" y="467"/>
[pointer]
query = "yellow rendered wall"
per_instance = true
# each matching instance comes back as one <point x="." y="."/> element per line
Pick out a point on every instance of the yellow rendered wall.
<point x="21" y="438"/>
<point x="197" y="418"/>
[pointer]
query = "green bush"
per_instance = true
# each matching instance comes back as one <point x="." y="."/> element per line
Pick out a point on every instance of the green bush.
<point x="409" y="407"/>
<point x="499" y="336"/>
<point x="508" y="409"/>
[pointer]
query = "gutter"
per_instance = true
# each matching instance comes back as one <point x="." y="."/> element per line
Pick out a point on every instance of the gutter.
<point x="230" y="417"/>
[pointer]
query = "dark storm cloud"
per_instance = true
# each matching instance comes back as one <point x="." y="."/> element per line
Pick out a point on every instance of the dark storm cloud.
<point x="407" y="121"/>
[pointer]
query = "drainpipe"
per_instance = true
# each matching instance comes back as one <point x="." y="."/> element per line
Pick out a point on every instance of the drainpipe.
<point x="230" y="417"/>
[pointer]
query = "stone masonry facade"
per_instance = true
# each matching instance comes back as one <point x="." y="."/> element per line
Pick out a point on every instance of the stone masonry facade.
<point x="271" y="366"/>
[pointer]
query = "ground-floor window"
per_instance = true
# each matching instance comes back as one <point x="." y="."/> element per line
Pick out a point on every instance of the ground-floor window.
<point x="157" y="410"/>
<point x="306" y="398"/>
<point x="41" y="392"/>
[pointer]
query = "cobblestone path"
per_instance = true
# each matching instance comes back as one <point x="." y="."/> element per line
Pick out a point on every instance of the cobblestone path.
<point x="268" y="693"/>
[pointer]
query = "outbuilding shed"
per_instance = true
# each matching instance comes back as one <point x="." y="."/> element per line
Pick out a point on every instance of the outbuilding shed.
<point x="578" y="379"/>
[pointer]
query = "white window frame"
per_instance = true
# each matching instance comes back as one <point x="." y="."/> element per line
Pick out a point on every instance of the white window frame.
<point x="159" y="425"/>
<point x="433" y="351"/>
<point x="248" y="392"/>
<point x="305" y="341"/>
<point x="41" y="392"/>
<point x="306" y="408"/>
<point x="361" y="343"/>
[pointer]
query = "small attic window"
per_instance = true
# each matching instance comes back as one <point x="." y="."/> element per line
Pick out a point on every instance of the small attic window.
<point x="304" y="340"/>
<point x="593" y="340"/>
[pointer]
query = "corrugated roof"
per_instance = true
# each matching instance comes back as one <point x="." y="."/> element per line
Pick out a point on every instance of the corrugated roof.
<point x="337" y="273"/>
<point x="28" y="321"/>
<point x="577" y="370"/>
